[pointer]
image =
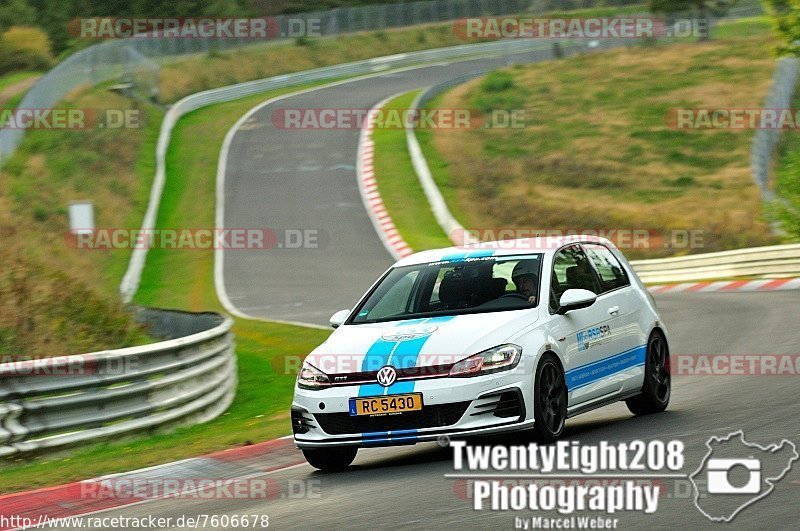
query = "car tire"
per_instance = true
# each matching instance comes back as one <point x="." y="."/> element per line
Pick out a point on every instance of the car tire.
<point x="331" y="459"/>
<point x="549" y="400"/>
<point x="657" y="386"/>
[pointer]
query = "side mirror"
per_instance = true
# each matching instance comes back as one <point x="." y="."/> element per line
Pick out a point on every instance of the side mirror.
<point x="339" y="318"/>
<point x="575" y="299"/>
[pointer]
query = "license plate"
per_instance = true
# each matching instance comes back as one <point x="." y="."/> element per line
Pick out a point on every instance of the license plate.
<point x="384" y="405"/>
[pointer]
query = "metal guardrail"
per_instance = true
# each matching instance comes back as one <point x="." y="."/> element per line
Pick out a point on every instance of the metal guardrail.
<point x="775" y="261"/>
<point x="781" y="93"/>
<point x="63" y="401"/>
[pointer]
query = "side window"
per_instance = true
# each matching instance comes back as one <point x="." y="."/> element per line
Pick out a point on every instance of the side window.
<point x="612" y="274"/>
<point x="571" y="270"/>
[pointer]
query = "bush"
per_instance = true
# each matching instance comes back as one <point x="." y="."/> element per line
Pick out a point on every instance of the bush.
<point x="302" y="40"/>
<point x="24" y="48"/>
<point x="497" y="82"/>
<point x="497" y="91"/>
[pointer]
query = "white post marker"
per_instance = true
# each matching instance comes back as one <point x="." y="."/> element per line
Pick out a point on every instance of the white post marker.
<point x="81" y="217"/>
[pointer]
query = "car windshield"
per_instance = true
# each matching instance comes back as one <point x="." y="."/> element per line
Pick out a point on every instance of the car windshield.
<point x="452" y="287"/>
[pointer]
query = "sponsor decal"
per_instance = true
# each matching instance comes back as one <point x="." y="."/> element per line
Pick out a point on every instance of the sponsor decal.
<point x="592" y="337"/>
<point x="406" y="335"/>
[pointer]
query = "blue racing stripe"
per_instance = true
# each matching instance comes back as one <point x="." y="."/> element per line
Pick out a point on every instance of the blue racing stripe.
<point x="401" y="355"/>
<point x="597" y="370"/>
<point x="389" y="436"/>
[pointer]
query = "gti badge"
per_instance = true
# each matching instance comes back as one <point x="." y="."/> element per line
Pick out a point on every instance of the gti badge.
<point x="387" y="375"/>
<point x="410" y="333"/>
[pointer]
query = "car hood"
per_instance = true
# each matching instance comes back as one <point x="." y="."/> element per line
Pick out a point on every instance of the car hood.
<point x="416" y="342"/>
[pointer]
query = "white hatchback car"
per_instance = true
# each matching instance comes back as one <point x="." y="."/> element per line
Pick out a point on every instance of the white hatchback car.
<point x="504" y="336"/>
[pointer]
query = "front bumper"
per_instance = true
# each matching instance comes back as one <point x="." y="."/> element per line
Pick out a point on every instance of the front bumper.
<point x="452" y="407"/>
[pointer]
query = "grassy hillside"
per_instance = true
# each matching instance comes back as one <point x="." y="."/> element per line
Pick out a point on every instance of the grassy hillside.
<point x="597" y="150"/>
<point x="54" y="298"/>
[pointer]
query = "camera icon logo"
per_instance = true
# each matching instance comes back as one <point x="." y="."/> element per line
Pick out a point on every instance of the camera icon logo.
<point x="718" y="476"/>
<point x="735" y="474"/>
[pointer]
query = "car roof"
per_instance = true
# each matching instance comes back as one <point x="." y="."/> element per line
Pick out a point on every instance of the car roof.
<point x="537" y="245"/>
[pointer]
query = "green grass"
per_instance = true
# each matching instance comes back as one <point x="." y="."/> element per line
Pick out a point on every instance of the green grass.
<point x="184" y="279"/>
<point x="745" y="27"/>
<point x="6" y="81"/>
<point x="400" y="188"/>
<point x="14" y="100"/>
<point x="10" y="79"/>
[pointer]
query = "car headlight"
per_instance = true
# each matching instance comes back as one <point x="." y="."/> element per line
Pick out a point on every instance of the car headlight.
<point x="312" y="378"/>
<point x="501" y="358"/>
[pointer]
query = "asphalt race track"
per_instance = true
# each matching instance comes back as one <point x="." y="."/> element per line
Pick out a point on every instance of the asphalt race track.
<point x="306" y="180"/>
<point x="405" y="487"/>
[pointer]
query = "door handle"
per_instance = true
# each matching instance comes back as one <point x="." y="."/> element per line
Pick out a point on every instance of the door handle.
<point x="614" y="310"/>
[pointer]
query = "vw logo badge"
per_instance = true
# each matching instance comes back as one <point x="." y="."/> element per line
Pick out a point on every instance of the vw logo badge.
<point x="387" y="375"/>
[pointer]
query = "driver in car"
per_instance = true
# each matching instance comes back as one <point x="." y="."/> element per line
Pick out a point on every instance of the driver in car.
<point x="526" y="279"/>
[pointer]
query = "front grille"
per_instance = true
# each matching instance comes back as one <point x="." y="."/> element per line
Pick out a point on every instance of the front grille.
<point x="509" y="405"/>
<point x="429" y="417"/>
<point x="301" y="421"/>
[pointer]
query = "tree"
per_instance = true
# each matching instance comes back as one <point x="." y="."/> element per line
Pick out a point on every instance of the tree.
<point x="16" y="13"/>
<point x="785" y="16"/>
<point x="702" y="8"/>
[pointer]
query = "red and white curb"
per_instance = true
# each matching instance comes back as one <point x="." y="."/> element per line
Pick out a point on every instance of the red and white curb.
<point x="728" y="285"/>
<point x="368" y="187"/>
<point x="194" y="477"/>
